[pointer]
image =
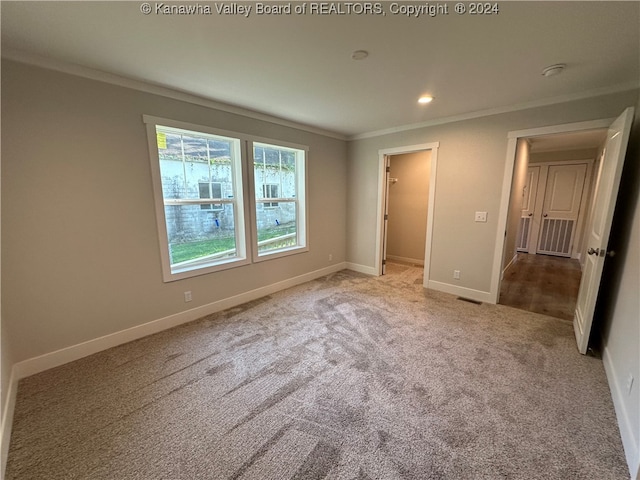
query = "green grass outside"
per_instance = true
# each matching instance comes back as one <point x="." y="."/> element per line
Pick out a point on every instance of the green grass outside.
<point x="181" y="252"/>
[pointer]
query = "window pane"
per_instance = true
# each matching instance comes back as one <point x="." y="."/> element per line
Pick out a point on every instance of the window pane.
<point x="274" y="171"/>
<point x="270" y="191"/>
<point x="196" y="236"/>
<point x="216" y="190"/>
<point x="196" y="167"/>
<point x="277" y="227"/>
<point x="199" y="179"/>
<point x="189" y="159"/>
<point x="278" y="174"/>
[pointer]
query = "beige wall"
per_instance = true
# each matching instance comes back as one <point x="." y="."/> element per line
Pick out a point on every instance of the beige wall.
<point x="563" y="155"/>
<point x="408" y="205"/>
<point x="619" y="308"/>
<point x="515" y="202"/>
<point x="470" y="172"/>
<point x="80" y="253"/>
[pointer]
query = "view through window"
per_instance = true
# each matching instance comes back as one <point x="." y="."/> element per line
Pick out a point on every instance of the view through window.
<point x="198" y="179"/>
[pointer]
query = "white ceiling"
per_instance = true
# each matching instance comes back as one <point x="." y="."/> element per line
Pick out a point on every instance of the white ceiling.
<point x="299" y="67"/>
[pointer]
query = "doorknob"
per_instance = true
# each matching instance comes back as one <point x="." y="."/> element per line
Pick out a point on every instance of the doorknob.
<point x="593" y="251"/>
<point x="531" y="214"/>
<point x="545" y="215"/>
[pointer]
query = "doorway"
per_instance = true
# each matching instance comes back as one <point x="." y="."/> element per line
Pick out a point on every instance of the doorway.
<point x="404" y="244"/>
<point x="407" y="207"/>
<point x="552" y="190"/>
<point x="598" y="228"/>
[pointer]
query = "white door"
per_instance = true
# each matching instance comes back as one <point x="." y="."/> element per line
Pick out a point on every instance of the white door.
<point x="608" y="181"/>
<point x="563" y="194"/>
<point x="528" y="208"/>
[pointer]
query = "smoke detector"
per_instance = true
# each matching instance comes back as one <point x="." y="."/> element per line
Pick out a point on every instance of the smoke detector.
<point x="359" y="55"/>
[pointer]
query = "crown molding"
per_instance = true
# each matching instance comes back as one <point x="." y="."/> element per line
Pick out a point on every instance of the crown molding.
<point x="624" y="87"/>
<point x="156" y="89"/>
<point x="176" y="94"/>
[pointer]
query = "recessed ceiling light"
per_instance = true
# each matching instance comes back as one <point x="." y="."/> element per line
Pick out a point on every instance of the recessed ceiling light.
<point x="359" y="55"/>
<point x="552" y="70"/>
<point x="425" y="99"/>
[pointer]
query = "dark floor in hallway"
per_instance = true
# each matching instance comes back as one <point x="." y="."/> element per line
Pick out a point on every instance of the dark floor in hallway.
<point x="542" y="284"/>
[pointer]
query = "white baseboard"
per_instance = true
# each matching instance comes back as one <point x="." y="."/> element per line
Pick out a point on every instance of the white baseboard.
<point x="414" y="261"/>
<point x="44" y="362"/>
<point x="630" y="443"/>
<point x="511" y="263"/>
<point x="470" y="293"/>
<point x="75" y="352"/>
<point x="7" y="420"/>
<point x="362" y="269"/>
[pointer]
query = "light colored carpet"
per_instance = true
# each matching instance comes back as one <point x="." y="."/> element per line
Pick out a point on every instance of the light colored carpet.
<point x="345" y="377"/>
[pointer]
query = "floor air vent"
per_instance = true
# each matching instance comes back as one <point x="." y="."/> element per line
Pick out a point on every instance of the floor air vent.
<point x="475" y="302"/>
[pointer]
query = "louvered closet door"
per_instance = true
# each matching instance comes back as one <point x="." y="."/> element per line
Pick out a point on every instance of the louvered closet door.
<point x="560" y="209"/>
<point x="529" y="194"/>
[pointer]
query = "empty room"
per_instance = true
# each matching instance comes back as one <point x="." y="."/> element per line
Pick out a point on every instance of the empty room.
<point x="268" y="240"/>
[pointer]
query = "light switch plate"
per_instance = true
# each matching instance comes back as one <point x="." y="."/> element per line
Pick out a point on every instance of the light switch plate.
<point x="481" y="216"/>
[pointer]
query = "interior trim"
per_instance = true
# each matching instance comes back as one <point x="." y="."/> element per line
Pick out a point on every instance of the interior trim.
<point x="507" y="109"/>
<point x="157" y="89"/>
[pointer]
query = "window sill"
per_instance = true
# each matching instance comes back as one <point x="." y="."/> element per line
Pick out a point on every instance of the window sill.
<point x="197" y="269"/>
<point x="279" y="253"/>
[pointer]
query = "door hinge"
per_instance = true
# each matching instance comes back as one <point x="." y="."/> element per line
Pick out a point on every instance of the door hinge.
<point x="384" y="262"/>
<point x="386" y="216"/>
<point x="388" y="169"/>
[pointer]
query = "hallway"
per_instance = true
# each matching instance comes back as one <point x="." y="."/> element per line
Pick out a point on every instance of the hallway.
<point x="542" y="284"/>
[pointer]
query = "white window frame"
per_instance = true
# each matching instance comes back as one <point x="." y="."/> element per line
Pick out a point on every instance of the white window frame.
<point x="302" y="206"/>
<point x="240" y="203"/>
<point x="244" y="201"/>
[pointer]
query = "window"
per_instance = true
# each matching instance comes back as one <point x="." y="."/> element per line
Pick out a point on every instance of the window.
<point x="200" y="228"/>
<point x="270" y="191"/>
<point x="205" y="189"/>
<point x="279" y="185"/>
<point x="210" y="190"/>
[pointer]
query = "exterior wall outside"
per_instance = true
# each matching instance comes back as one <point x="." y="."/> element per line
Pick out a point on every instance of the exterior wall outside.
<point x="189" y="222"/>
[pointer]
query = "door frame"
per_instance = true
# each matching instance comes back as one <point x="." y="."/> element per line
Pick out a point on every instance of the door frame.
<point x="382" y="192"/>
<point x="512" y="141"/>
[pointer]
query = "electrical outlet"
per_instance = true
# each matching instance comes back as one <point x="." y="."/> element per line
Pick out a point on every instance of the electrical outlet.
<point x="629" y="384"/>
<point x="481" y="217"/>
<point x="456" y="274"/>
<point x="330" y="256"/>
<point x="187" y="296"/>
